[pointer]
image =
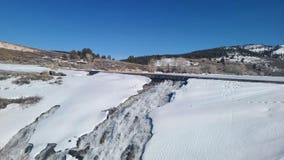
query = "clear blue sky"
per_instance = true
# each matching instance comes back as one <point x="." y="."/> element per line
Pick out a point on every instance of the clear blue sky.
<point x="139" y="27"/>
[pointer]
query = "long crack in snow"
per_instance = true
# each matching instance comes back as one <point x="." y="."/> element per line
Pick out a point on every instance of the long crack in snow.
<point x="123" y="134"/>
<point x="127" y="129"/>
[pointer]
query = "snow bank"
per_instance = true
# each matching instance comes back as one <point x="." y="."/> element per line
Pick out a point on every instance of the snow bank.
<point x="22" y="68"/>
<point x="126" y="131"/>
<point x="165" y="62"/>
<point x="257" y="48"/>
<point x="81" y="112"/>
<point x="279" y="50"/>
<point x="82" y="99"/>
<point x="211" y="119"/>
<point x="246" y="59"/>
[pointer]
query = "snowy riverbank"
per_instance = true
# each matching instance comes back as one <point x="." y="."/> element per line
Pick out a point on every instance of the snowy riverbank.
<point x="220" y="120"/>
<point x="82" y="99"/>
<point x="202" y="120"/>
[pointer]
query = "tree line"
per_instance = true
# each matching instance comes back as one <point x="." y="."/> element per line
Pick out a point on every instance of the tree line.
<point x="208" y="53"/>
<point x="85" y="54"/>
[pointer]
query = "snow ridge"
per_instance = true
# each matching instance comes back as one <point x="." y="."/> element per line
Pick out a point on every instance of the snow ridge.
<point x="220" y="120"/>
<point x="258" y="48"/>
<point x="279" y="50"/>
<point x="124" y="133"/>
<point x="18" y="148"/>
<point x="127" y="129"/>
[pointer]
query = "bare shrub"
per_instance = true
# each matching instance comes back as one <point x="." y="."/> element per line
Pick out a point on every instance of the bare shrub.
<point x="21" y="81"/>
<point x="26" y="78"/>
<point x="2" y="77"/>
<point x="4" y="103"/>
<point x="23" y="100"/>
<point x="59" y="82"/>
<point x="235" y="69"/>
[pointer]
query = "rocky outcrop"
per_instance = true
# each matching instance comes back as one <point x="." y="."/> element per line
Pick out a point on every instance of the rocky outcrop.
<point x="18" y="148"/>
<point x="127" y="129"/>
<point x="122" y="135"/>
<point x="53" y="73"/>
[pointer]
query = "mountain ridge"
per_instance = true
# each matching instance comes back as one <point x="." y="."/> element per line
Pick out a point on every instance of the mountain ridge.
<point x="18" y="47"/>
<point x="257" y="50"/>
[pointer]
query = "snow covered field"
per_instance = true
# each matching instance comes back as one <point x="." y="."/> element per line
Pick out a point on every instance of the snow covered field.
<point x="165" y="62"/>
<point x="220" y="120"/>
<point x="81" y="98"/>
<point x="22" y="68"/>
<point x="205" y="119"/>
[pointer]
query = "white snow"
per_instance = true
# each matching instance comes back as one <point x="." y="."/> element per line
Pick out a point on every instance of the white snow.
<point x="83" y="110"/>
<point x="220" y="120"/>
<point x="82" y="99"/>
<point x="128" y="125"/>
<point x="257" y="48"/>
<point x="246" y="59"/>
<point x="22" y="68"/>
<point x="207" y="119"/>
<point x="164" y="62"/>
<point x="280" y="50"/>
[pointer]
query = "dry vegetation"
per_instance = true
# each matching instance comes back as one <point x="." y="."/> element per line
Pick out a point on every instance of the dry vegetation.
<point x="110" y="65"/>
<point x="272" y="67"/>
<point x="19" y="57"/>
<point x="206" y="65"/>
<point x="25" y="78"/>
<point x="107" y="65"/>
<point x="54" y="60"/>
<point x="58" y="81"/>
<point x="23" y="101"/>
<point x="4" y="76"/>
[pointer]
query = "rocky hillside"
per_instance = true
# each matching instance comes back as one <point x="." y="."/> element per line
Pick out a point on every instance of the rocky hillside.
<point x="238" y="60"/>
<point x="18" y="54"/>
<point x="254" y="50"/>
<point x="15" y="47"/>
<point x="263" y="50"/>
<point x="241" y="60"/>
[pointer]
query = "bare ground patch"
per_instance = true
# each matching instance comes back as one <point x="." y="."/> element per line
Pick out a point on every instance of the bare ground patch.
<point x="25" y="78"/>
<point x="4" y="102"/>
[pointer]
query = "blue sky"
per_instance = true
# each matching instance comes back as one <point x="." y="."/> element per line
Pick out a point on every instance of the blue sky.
<point x="139" y="27"/>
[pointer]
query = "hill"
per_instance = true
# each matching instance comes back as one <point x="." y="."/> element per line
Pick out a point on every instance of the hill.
<point x="18" y="54"/>
<point x="252" y="59"/>
<point x="255" y="50"/>
<point x="249" y="59"/>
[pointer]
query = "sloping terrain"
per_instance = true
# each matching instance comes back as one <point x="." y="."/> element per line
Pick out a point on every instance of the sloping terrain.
<point x="23" y="57"/>
<point x="82" y="100"/>
<point x="118" y="116"/>
<point x="110" y="65"/>
<point x="220" y="120"/>
<point x="15" y="47"/>
<point x="17" y="54"/>
<point x="236" y="60"/>
<point x="246" y="50"/>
